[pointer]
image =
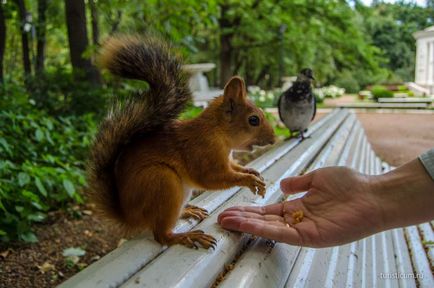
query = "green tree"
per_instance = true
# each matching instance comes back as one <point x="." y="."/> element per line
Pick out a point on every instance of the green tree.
<point x="78" y="41"/>
<point x="41" y="36"/>
<point x="2" y="39"/>
<point x="391" y="27"/>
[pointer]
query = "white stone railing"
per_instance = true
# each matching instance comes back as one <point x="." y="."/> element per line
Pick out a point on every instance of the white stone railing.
<point x="417" y="89"/>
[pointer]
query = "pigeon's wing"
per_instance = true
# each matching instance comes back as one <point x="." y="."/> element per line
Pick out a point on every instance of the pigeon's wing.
<point x="314" y="108"/>
<point x="278" y="106"/>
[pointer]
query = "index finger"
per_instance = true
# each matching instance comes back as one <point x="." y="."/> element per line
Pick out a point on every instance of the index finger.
<point x="261" y="228"/>
<point x="275" y="209"/>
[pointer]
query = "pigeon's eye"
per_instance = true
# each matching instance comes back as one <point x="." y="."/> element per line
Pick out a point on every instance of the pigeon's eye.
<point x="254" y="120"/>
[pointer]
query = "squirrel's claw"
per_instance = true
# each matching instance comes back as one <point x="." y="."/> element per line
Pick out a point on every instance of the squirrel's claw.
<point x="254" y="172"/>
<point x="195" y="212"/>
<point x="256" y="185"/>
<point x="193" y="238"/>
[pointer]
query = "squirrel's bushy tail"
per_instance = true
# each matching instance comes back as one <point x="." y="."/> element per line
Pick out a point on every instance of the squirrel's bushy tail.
<point x="147" y="59"/>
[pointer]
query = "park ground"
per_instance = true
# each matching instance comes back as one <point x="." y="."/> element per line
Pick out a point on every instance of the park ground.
<point x="396" y="137"/>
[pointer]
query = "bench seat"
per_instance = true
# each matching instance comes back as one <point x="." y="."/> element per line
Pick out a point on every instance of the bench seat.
<point x="336" y="139"/>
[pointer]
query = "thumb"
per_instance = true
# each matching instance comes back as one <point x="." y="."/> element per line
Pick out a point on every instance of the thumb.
<point x="296" y="184"/>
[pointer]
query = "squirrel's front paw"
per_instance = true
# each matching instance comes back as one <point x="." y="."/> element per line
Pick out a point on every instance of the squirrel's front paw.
<point x="253" y="172"/>
<point x="195" y="212"/>
<point x="256" y="185"/>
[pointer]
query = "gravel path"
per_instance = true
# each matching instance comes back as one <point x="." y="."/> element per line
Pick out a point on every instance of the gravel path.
<point x="398" y="137"/>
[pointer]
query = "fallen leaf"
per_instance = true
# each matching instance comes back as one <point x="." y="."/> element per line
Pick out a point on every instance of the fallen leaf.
<point x="81" y="265"/>
<point x="87" y="212"/>
<point x="91" y="205"/>
<point x="94" y="258"/>
<point x="73" y="251"/>
<point x="72" y="260"/>
<point x="5" y="253"/>
<point x="47" y="266"/>
<point x="121" y="241"/>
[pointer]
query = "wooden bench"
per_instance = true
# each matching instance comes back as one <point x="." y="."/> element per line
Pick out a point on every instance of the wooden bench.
<point x="336" y="139"/>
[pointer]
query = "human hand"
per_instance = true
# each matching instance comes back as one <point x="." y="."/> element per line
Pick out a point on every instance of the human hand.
<point x="339" y="207"/>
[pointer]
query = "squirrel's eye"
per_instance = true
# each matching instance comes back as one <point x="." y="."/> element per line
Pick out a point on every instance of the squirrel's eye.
<point x="254" y="120"/>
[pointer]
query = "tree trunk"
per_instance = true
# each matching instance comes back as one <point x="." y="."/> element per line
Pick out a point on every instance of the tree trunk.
<point x="115" y="23"/>
<point x="2" y="40"/>
<point x="24" y="38"/>
<point x="94" y="18"/>
<point x="261" y="74"/>
<point x="78" y="42"/>
<point x="40" y="34"/>
<point x="225" y="46"/>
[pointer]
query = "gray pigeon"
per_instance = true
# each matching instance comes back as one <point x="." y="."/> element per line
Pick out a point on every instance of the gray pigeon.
<point x="297" y="105"/>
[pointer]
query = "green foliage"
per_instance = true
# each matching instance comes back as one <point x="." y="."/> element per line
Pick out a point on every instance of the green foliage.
<point x="319" y="97"/>
<point x="191" y="112"/>
<point x="52" y="91"/>
<point x="281" y="131"/>
<point x="390" y="27"/>
<point x="264" y="99"/>
<point x="349" y="82"/>
<point x="402" y="88"/>
<point x="41" y="167"/>
<point x="379" y="91"/>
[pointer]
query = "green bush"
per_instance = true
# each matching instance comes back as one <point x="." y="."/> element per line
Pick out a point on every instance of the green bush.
<point x="402" y="88"/>
<point x="191" y="112"/>
<point x="41" y="168"/>
<point x="347" y="81"/>
<point x="319" y="97"/>
<point x="379" y="91"/>
<point x="264" y="99"/>
<point x="58" y="92"/>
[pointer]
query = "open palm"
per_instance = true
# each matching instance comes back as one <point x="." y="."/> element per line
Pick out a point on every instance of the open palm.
<point x="338" y="208"/>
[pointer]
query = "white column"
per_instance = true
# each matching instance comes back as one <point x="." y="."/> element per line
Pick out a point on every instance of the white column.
<point x="431" y="63"/>
<point x="428" y="73"/>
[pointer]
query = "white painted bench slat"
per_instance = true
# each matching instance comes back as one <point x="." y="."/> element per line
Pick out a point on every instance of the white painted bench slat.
<point x="420" y="261"/>
<point x="336" y="139"/>
<point x="428" y="236"/>
<point x="403" y="262"/>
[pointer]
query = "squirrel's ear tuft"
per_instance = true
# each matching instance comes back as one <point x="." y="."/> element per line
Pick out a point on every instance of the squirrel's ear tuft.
<point x="235" y="90"/>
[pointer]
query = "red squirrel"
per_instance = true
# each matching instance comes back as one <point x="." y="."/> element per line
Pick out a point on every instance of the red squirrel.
<point x="144" y="162"/>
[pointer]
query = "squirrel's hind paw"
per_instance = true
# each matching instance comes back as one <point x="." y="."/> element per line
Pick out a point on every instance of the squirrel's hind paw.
<point x="194" y="239"/>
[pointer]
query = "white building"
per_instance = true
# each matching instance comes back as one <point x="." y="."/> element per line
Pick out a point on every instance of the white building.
<point x="424" y="74"/>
